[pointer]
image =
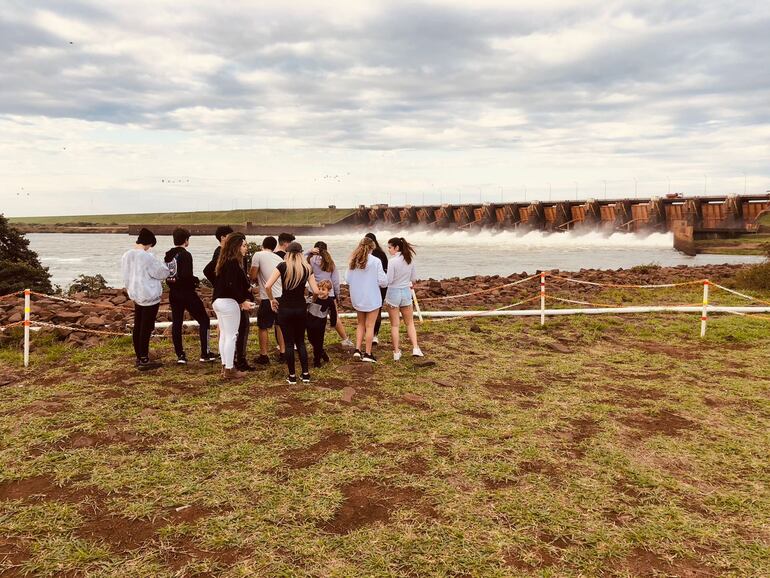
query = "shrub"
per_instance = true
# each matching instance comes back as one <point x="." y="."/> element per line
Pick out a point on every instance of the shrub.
<point x="91" y="285"/>
<point x="647" y="268"/>
<point x="756" y="276"/>
<point x="20" y="266"/>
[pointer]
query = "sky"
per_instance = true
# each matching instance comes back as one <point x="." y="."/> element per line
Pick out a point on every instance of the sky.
<point x="149" y="106"/>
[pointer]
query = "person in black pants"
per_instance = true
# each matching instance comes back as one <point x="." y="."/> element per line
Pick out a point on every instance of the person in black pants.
<point x="243" y="328"/>
<point x="317" y="312"/>
<point x="183" y="297"/>
<point x="144" y="324"/>
<point x="294" y="273"/>
<point x="382" y="256"/>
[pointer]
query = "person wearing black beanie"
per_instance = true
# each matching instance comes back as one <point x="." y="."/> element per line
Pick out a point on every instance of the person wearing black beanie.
<point x="142" y="276"/>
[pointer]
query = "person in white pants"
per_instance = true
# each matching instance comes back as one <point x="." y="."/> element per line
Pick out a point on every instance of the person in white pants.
<point x="232" y="293"/>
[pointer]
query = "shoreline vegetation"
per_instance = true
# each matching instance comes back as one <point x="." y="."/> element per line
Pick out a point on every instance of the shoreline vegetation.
<point x="612" y="446"/>
<point x="749" y="244"/>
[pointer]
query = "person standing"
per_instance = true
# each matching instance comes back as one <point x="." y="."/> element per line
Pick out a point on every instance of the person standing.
<point x="380" y="254"/>
<point x="294" y="273"/>
<point x="324" y="268"/>
<point x="317" y="311"/>
<point x="365" y="278"/>
<point x="283" y="243"/>
<point x="232" y="294"/>
<point x="142" y="276"/>
<point x="262" y="266"/>
<point x="183" y="297"/>
<point x="398" y="298"/>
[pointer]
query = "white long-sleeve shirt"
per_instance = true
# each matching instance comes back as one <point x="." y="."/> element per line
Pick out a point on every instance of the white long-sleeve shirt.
<point x="365" y="285"/>
<point x="400" y="273"/>
<point x="321" y="275"/>
<point x="142" y="276"/>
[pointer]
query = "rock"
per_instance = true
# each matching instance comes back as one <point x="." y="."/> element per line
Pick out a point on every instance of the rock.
<point x="476" y="329"/>
<point x="560" y="347"/>
<point x="443" y="383"/>
<point x="68" y="315"/>
<point x="94" y="322"/>
<point x="347" y="394"/>
<point x="413" y="399"/>
<point x="118" y="300"/>
<point x="15" y="318"/>
<point x="424" y="363"/>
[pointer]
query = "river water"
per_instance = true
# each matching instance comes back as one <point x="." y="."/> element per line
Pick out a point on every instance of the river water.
<point x="439" y="254"/>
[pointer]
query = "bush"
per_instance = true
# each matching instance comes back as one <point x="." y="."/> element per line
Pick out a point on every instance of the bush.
<point x="647" y="268"/>
<point x="756" y="276"/>
<point x="91" y="285"/>
<point x="20" y="266"/>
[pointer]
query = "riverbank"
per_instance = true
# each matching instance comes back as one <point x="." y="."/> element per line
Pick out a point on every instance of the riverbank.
<point x="592" y="446"/>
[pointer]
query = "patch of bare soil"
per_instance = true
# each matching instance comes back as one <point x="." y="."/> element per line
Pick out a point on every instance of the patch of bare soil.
<point x="670" y="350"/>
<point x="573" y="437"/>
<point x="118" y="532"/>
<point x="187" y="552"/>
<point x="303" y="457"/>
<point x="477" y="414"/>
<point x="45" y="488"/>
<point x="366" y="502"/>
<point x="664" y="422"/>
<point x="111" y="435"/>
<point x="415" y="465"/>
<point x="43" y="407"/>
<point x="640" y="562"/>
<point x="629" y="493"/>
<point x="538" y="467"/>
<point x="111" y="394"/>
<point x="502" y="388"/>
<point x="13" y="553"/>
<point x="291" y="407"/>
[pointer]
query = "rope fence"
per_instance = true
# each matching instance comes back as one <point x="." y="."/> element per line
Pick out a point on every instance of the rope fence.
<point x="703" y="308"/>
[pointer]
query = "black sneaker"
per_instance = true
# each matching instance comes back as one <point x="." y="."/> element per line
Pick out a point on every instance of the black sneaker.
<point x="262" y="360"/>
<point x="147" y="365"/>
<point x="325" y="357"/>
<point x="280" y="358"/>
<point x="305" y="377"/>
<point x="317" y="363"/>
<point x="209" y="357"/>
<point x="181" y="359"/>
<point x="291" y="380"/>
<point x="369" y="358"/>
<point x="357" y="354"/>
<point x="243" y="365"/>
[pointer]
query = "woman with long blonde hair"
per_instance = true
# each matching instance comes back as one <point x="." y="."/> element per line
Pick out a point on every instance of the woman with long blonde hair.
<point x="295" y="273"/>
<point x="365" y="277"/>
<point x="232" y="294"/>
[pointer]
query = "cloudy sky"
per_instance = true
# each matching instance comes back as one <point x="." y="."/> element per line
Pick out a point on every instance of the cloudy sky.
<point x="165" y="105"/>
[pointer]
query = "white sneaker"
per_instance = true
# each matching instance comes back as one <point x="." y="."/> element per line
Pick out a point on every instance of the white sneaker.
<point x="375" y="341"/>
<point x="396" y="355"/>
<point x="416" y="352"/>
<point x="346" y="342"/>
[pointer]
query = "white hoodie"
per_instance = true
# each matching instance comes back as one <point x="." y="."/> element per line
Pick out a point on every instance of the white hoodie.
<point x="142" y="274"/>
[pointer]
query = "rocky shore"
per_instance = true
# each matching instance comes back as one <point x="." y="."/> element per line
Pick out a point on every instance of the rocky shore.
<point x="83" y="319"/>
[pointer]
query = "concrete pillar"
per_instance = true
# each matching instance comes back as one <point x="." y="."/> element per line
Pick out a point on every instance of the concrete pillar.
<point x="562" y="216"/>
<point x="656" y="214"/>
<point x="536" y="216"/>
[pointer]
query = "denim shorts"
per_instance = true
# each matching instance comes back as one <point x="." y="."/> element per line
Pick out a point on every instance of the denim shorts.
<point x="398" y="297"/>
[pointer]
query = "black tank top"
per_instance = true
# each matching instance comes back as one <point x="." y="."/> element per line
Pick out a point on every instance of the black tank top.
<point x="292" y="297"/>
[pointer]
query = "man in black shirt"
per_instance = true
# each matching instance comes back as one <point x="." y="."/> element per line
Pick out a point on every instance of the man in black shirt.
<point x="283" y="241"/>
<point x="183" y="297"/>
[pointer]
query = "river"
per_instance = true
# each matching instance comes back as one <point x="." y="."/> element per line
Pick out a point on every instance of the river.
<point x="439" y="254"/>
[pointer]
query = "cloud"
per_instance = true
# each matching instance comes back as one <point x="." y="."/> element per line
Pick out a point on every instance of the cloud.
<point x="652" y="80"/>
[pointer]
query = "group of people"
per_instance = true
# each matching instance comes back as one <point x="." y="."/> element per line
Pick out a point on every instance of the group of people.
<point x="293" y="292"/>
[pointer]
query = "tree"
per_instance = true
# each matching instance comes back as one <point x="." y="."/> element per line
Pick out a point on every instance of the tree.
<point x="20" y="266"/>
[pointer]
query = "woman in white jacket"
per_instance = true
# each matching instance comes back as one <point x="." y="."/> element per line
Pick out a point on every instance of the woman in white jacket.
<point x="401" y="276"/>
<point x="142" y="276"/>
<point x="365" y="277"/>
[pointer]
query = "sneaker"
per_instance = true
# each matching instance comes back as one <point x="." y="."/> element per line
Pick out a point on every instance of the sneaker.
<point x="181" y="359"/>
<point x="305" y="377"/>
<point x="233" y="373"/>
<point x="368" y="357"/>
<point x="346" y="342"/>
<point x="357" y="354"/>
<point x="280" y="357"/>
<point x="396" y="355"/>
<point x="375" y="340"/>
<point x="209" y="357"/>
<point x="291" y="380"/>
<point x="147" y="365"/>
<point x="317" y="363"/>
<point x="243" y="365"/>
<point x="417" y="353"/>
<point x="325" y="357"/>
<point x="262" y="360"/>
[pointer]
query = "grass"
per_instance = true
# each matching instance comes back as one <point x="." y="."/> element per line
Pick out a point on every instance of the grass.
<point x="641" y="451"/>
<point x="744" y="245"/>
<point x="256" y="216"/>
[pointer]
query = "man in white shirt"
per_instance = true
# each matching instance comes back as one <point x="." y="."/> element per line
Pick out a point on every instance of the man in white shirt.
<point x="262" y="266"/>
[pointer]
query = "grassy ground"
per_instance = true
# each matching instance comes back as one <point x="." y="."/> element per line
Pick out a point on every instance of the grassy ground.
<point x="746" y="245"/>
<point x="256" y="216"/>
<point x="593" y="446"/>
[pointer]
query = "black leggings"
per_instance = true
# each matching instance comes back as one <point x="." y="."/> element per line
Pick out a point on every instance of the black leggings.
<point x="293" y="322"/>
<point x="242" y="340"/>
<point x="316" y="326"/>
<point x="191" y="303"/>
<point x="144" y="324"/>
<point x="379" y="313"/>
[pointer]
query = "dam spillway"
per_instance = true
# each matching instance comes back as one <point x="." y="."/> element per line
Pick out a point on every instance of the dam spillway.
<point x="705" y="216"/>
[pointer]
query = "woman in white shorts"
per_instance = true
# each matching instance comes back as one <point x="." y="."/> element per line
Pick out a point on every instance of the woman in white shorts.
<point x="401" y="274"/>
